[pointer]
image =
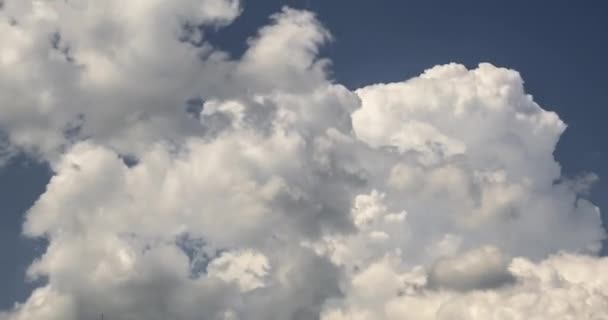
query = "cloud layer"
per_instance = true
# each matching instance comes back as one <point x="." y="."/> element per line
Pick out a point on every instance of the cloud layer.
<point x="188" y="184"/>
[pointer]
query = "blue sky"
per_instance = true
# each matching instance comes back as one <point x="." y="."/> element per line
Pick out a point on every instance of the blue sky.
<point x="559" y="47"/>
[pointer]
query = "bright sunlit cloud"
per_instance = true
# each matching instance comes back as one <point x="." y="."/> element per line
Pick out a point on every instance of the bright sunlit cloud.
<point x="281" y="194"/>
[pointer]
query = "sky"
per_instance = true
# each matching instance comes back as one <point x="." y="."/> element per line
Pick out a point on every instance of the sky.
<point x="353" y="206"/>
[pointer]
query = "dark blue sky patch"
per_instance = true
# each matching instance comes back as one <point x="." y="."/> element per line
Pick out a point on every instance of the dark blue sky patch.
<point x="129" y="160"/>
<point x="22" y="181"/>
<point x="194" y="107"/>
<point x="199" y="254"/>
<point x="59" y="45"/>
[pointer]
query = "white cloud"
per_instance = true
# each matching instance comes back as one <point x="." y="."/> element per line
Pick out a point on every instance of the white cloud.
<point x="560" y="287"/>
<point x="113" y="71"/>
<point x="246" y="268"/>
<point x="288" y="196"/>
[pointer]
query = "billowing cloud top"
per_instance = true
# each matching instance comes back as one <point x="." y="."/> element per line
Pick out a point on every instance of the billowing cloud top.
<point x="190" y="185"/>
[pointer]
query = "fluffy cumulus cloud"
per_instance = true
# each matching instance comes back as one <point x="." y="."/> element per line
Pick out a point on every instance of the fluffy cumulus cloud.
<point x="191" y="185"/>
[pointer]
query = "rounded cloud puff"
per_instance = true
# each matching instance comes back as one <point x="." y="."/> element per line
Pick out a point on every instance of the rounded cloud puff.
<point x="281" y="194"/>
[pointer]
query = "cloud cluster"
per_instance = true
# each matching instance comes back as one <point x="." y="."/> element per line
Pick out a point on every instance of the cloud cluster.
<point x="560" y="287"/>
<point x="188" y="184"/>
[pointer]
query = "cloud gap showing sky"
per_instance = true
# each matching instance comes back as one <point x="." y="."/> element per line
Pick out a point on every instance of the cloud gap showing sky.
<point x="190" y="184"/>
